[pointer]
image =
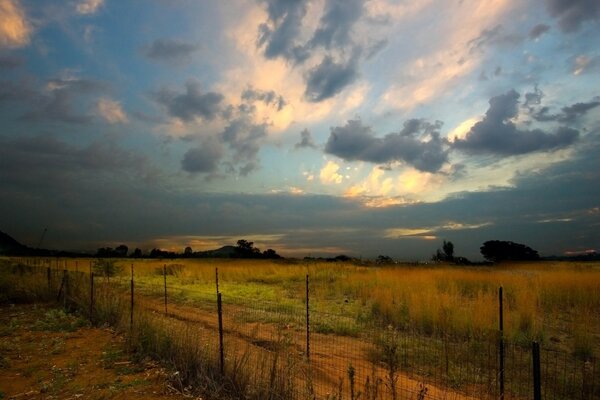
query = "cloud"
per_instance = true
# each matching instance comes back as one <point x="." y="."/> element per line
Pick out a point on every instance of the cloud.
<point x="573" y="112"/>
<point x="538" y="30"/>
<point x="171" y="51"/>
<point x="584" y="63"/>
<point x="190" y="105"/>
<point x="86" y="7"/>
<point x="10" y="62"/>
<point x="244" y="138"/>
<point x="336" y="23"/>
<point x="306" y="141"/>
<point x="329" y="78"/>
<point x="15" y="28"/>
<point x="329" y="173"/>
<point x="203" y="159"/>
<point x="494" y="37"/>
<point x="279" y="34"/>
<point x="572" y="13"/>
<point x="269" y="97"/>
<point x="418" y="144"/>
<point x="63" y="99"/>
<point x="111" y="111"/>
<point x="497" y="134"/>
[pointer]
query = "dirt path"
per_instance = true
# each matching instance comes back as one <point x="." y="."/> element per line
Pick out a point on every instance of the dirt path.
<point x="331" y="355"/>
<point x="45" y="354"/>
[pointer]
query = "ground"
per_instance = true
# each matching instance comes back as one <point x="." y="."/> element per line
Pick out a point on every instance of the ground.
<point x="47" y="354"/>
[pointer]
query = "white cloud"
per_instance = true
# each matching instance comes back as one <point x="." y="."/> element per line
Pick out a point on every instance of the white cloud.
<point x="111" y="111"/>
<point x="15" y="29"/>
<point x="89" y="6"/>
<point x="329" y="174"/>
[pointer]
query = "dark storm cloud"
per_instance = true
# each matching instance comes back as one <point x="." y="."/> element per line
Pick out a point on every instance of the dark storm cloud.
<point x="280" y="33"/>
<point x="329" y="78"/>
<point x="572" y="13"/>
<point x="203" y="159"/>
<point x="538" y="30"/>
<point x="336" y="23"/>
<point x="10" y="62"/>
<point x="268" y="97"/>
<point x="170" y="50"/>
<point x="568" y="114"/>
<point x="306" y="141"/>
<point x="573" y="112"/>
<point x="497" y="134"/>
<point x="192" y="104"/>
<point x="354" y="141"/>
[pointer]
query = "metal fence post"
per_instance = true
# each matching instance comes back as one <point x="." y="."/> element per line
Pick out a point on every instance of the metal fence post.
<point x="91" y="298"/>
<point x="537" y="379"/>
<point x="307" y="321"/>
<point x="221" y="352"/>
<point x="501" y="343"/>
<point x="165" y="278"/>
<point x="217" y="279"/>
<point x="131" y="313"/>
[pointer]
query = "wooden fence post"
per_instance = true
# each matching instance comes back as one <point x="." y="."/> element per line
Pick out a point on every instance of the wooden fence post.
<point x="221" y="351"/>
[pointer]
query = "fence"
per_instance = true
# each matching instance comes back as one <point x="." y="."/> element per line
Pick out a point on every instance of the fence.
<point x="303" y="352"/>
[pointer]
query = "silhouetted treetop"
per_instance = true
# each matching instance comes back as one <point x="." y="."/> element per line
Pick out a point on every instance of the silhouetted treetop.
<point x="498" y="250"/>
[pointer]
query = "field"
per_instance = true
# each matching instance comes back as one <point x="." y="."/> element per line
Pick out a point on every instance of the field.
<point x="400" y="331"/>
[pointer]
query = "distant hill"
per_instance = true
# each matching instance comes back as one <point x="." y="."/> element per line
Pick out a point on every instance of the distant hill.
<point x="223" y="252"/>
<point x="10" y="246"/>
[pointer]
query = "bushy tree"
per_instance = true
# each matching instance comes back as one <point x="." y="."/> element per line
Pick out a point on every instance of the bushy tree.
<point x="499" y="250"/>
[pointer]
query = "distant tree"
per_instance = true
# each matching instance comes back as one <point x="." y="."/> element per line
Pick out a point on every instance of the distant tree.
<point x="446" y="253"/>
<point x="270" y="253"/>
<point x="246" y="249"/>
<point x="498" y="250"/>
<point x="103" y="252"/>
<point x="188" y="251"/>
<point x="121" y="251"/>
<point x="381" y="259"/>
<point x="137" y="253"/>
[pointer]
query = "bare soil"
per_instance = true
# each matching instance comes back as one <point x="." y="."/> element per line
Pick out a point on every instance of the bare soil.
<point x="46" y="354"/>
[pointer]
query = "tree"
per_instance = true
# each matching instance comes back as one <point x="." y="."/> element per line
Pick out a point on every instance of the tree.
<point x="270" y="253"/>
<point x="121" y="251"/>
<point x="247" y="249"/>
<point x="446" y="253"/>
<point x="499" y="250"/>
<point x="381" y="259"/>
<point x="188" y="251"/>
<point x="448" y="248"/>
<point x="137" y="253"/>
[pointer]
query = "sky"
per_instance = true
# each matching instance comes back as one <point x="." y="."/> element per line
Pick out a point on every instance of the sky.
<point x="313" y="127"/>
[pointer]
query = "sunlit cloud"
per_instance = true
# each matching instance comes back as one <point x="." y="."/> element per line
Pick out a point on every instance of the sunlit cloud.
<point x="15" y="28"/>
<point x="89" y="6"/>
<point x="111" y="111"/>
<point x="329" y="174"/>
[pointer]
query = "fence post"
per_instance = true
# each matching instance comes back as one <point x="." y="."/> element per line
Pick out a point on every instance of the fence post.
<point x="66" y="293"/>
<point x="307" y="322"/>
<point x="165" y="277"/>
<point x="131" y="313"/>
<point x="217" y="279"/>
<point x="221" y="352"/>
<point x="537" y="379"/>
<point x="501" y="343"/>
<point x="92" y="298"/>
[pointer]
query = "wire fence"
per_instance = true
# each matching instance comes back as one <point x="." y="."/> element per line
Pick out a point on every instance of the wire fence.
<point x="306" y="353"/>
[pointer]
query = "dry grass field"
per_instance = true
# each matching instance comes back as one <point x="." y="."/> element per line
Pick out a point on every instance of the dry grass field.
<point x="441" y="320"/>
